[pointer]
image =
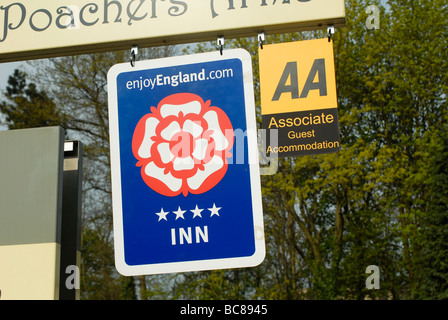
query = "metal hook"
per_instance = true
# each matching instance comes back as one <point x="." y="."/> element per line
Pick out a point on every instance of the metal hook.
<point x="134" y="53"/>
<point x="261" y="38"/>
<point x="221" y="44"/>
<point x="330" y="32"/>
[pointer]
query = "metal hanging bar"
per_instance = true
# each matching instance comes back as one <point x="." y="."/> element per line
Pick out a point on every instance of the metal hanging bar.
<point x="134" y="53"/>
<point x="220" y="44"/>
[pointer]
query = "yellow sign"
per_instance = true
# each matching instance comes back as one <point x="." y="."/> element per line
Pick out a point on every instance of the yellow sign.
<point x="298" y="97"/>
<point x="37" y="29"/>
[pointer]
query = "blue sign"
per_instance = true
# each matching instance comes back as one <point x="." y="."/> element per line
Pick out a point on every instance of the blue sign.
<point x="185" y="175"/>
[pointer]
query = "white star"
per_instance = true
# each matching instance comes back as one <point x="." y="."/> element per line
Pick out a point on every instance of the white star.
<point x="214" y="210"/>
<point x="179" y="213"/>
<point x="162" y="215"/>
<point x="197" y="212"/>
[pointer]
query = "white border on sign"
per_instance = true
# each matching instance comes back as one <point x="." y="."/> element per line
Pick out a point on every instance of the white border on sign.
<point x="196" y="265"/>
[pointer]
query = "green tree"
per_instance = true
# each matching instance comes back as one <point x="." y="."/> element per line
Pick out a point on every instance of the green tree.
<point x="434" y="253"/>
<point x="79" y="85"/>
<point x="381" y="200"/>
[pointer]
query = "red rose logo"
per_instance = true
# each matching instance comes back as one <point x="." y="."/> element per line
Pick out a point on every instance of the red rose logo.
<point x="182" y="145"/>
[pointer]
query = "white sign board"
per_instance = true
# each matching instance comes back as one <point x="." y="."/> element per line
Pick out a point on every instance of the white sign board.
<point x="185" y="174"/>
